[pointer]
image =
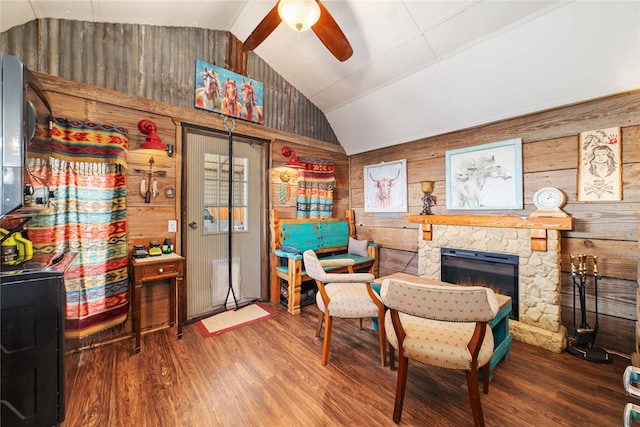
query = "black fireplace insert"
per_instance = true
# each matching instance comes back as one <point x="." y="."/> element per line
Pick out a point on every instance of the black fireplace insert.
<point x="475" y="268"/>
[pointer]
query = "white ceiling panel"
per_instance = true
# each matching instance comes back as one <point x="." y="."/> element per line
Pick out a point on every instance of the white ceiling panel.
<point x="250" y="14"/>
<point x="429" y="14"/>
<point x="575" y="64"/>
<point x="205" y="14"/>
<point x="15" y="13"/>
<point x="480" y="21"/>
<point x="380" y="26"/>
<point x="76" y="10"/>
<point x="420" y="67"/>
<point x="371" y="76"/>
<point x="407" y="109"/>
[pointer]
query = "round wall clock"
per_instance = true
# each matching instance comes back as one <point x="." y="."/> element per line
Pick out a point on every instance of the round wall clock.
<point x="549" y="200"/>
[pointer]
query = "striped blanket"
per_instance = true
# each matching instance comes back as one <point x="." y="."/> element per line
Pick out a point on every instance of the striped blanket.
<point x="88" y="216"/>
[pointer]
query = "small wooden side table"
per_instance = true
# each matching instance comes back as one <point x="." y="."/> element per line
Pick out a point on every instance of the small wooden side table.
<point x="152" y="269"/>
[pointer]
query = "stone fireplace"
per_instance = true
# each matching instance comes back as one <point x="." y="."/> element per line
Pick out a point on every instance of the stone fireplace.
<point x="536" y="241"/>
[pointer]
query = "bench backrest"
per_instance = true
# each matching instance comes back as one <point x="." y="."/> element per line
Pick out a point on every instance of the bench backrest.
<point x="317" y="236"/>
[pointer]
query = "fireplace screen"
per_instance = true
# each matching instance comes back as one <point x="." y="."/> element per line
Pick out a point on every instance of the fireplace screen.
<point x="474" y="268"/>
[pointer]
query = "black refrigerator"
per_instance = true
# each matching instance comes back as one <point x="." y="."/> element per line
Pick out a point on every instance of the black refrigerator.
<point x="32" y="301"/>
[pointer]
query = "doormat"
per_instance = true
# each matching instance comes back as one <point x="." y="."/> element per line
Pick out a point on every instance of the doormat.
<point x="233" y="319"/>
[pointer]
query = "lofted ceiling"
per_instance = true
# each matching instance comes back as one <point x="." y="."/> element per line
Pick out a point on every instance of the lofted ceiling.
<point x="420" y="68"/>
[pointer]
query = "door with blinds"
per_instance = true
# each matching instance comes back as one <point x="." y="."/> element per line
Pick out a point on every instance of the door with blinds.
<point x="224" y="217"/>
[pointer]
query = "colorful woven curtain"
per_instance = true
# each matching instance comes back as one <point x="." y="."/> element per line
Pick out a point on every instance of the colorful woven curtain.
<point x="88" y="216"/>
<point x="315" y="188"/>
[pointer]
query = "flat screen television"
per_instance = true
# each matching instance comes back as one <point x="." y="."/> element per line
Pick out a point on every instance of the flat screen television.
<point x="25" y="135"/>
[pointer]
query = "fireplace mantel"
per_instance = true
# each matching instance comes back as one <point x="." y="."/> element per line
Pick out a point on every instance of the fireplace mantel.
<point x="538" y="225"/>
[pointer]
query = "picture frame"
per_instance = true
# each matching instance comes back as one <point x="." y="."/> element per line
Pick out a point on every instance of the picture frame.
<point x="600" y="165"/>
<point x="487" y="176"/>
<point x="385" y="187"/>
<point x="223" y="91"/>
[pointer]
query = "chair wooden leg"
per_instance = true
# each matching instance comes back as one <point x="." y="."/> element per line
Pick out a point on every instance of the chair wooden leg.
<point x="403" y="363"/>
<point x="319" y="326"/>
<point x="474" y="397"/>
<point x="485" y="378"/>
<point x="360" y="321"/>
<point x="327" y="340"/>
<point x="391" y="357"/>
<point x="383" y="339"/>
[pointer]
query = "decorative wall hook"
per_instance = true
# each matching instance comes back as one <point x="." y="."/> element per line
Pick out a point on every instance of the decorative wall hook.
<point x="285" y="187"/>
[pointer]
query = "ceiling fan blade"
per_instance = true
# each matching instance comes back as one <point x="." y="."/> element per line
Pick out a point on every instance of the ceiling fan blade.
<point x="262" y="31"/>
<point x="331" y="35"/>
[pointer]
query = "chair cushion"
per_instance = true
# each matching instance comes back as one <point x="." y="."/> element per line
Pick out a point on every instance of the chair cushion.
<point x="290" y="249"/>
<point x="348" y="300"/>
<point x="358" y="247"/>
<point x="438" y="343"/>
<point x="439" y="301"/>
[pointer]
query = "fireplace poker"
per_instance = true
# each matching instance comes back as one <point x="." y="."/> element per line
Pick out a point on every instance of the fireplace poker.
<point x="582" y="344"/>
<point x="575" y="284"/>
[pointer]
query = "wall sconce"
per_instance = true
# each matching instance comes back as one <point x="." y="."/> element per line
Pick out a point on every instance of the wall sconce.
<point x="427" y="199"/>
<point x="153" y="141"/>
<point x="293" y="159"/>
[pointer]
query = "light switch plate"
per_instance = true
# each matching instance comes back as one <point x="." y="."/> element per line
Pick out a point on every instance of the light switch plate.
<point x="173" y="226"/>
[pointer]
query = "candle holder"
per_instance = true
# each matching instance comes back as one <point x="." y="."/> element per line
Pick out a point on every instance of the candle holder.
<point x="427" y="199"/>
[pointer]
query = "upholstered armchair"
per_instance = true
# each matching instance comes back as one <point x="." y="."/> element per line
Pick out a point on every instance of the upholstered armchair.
<point x="630" y="380"/>
<point x="348" y="295"/>
<point x="442" y="326"/>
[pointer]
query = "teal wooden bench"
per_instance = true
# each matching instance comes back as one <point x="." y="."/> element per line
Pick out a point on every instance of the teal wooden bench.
<point x="328" y="237"/>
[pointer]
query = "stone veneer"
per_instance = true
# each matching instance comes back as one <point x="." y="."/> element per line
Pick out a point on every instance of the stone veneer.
<point x="539" y="275"/>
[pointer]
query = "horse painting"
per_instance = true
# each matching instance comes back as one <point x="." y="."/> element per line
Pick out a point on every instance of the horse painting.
<point x="230" y="103"/>
<point x="471" y="178"/>
<point x="251" y="106"/>
<point x="207" y="95"/>
<point x="223" y="91"/>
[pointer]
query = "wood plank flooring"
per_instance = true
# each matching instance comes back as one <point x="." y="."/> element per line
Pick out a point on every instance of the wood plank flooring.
<point x="269" y="373"/>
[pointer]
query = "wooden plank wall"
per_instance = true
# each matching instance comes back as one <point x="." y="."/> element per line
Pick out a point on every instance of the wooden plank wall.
<point x="148" y="222"/>
<point x="550" y="158"/>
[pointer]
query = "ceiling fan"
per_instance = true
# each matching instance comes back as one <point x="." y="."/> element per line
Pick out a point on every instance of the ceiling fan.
<point x="311" y="14"/>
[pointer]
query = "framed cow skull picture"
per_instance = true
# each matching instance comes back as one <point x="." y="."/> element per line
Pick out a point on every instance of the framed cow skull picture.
<point x="385" y="187"/>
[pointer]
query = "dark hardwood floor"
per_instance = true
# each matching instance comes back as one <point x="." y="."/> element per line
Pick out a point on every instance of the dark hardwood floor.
<point x="269" y="373"/>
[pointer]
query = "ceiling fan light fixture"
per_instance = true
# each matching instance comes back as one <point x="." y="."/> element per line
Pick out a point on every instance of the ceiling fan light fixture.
<point x="299" y="15"/>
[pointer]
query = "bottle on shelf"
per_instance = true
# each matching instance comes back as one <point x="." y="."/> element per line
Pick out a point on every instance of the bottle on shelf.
<point x="167" y="246"/>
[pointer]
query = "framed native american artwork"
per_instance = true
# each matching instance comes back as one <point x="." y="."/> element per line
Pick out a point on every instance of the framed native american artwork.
<point x="385" y="187"/>
<point x="485" y="176"/>
<point x="600" y="167"/>
<point x="223" y="91"/>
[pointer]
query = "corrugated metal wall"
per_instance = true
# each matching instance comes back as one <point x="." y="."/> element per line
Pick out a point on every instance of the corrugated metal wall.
<point x="156" y="63"/>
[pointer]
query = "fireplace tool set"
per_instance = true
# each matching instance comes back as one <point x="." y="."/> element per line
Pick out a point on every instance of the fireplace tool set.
<point x="581" y="344"/>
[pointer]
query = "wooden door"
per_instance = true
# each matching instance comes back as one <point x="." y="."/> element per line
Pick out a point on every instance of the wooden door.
<point x="224" y="233"/>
